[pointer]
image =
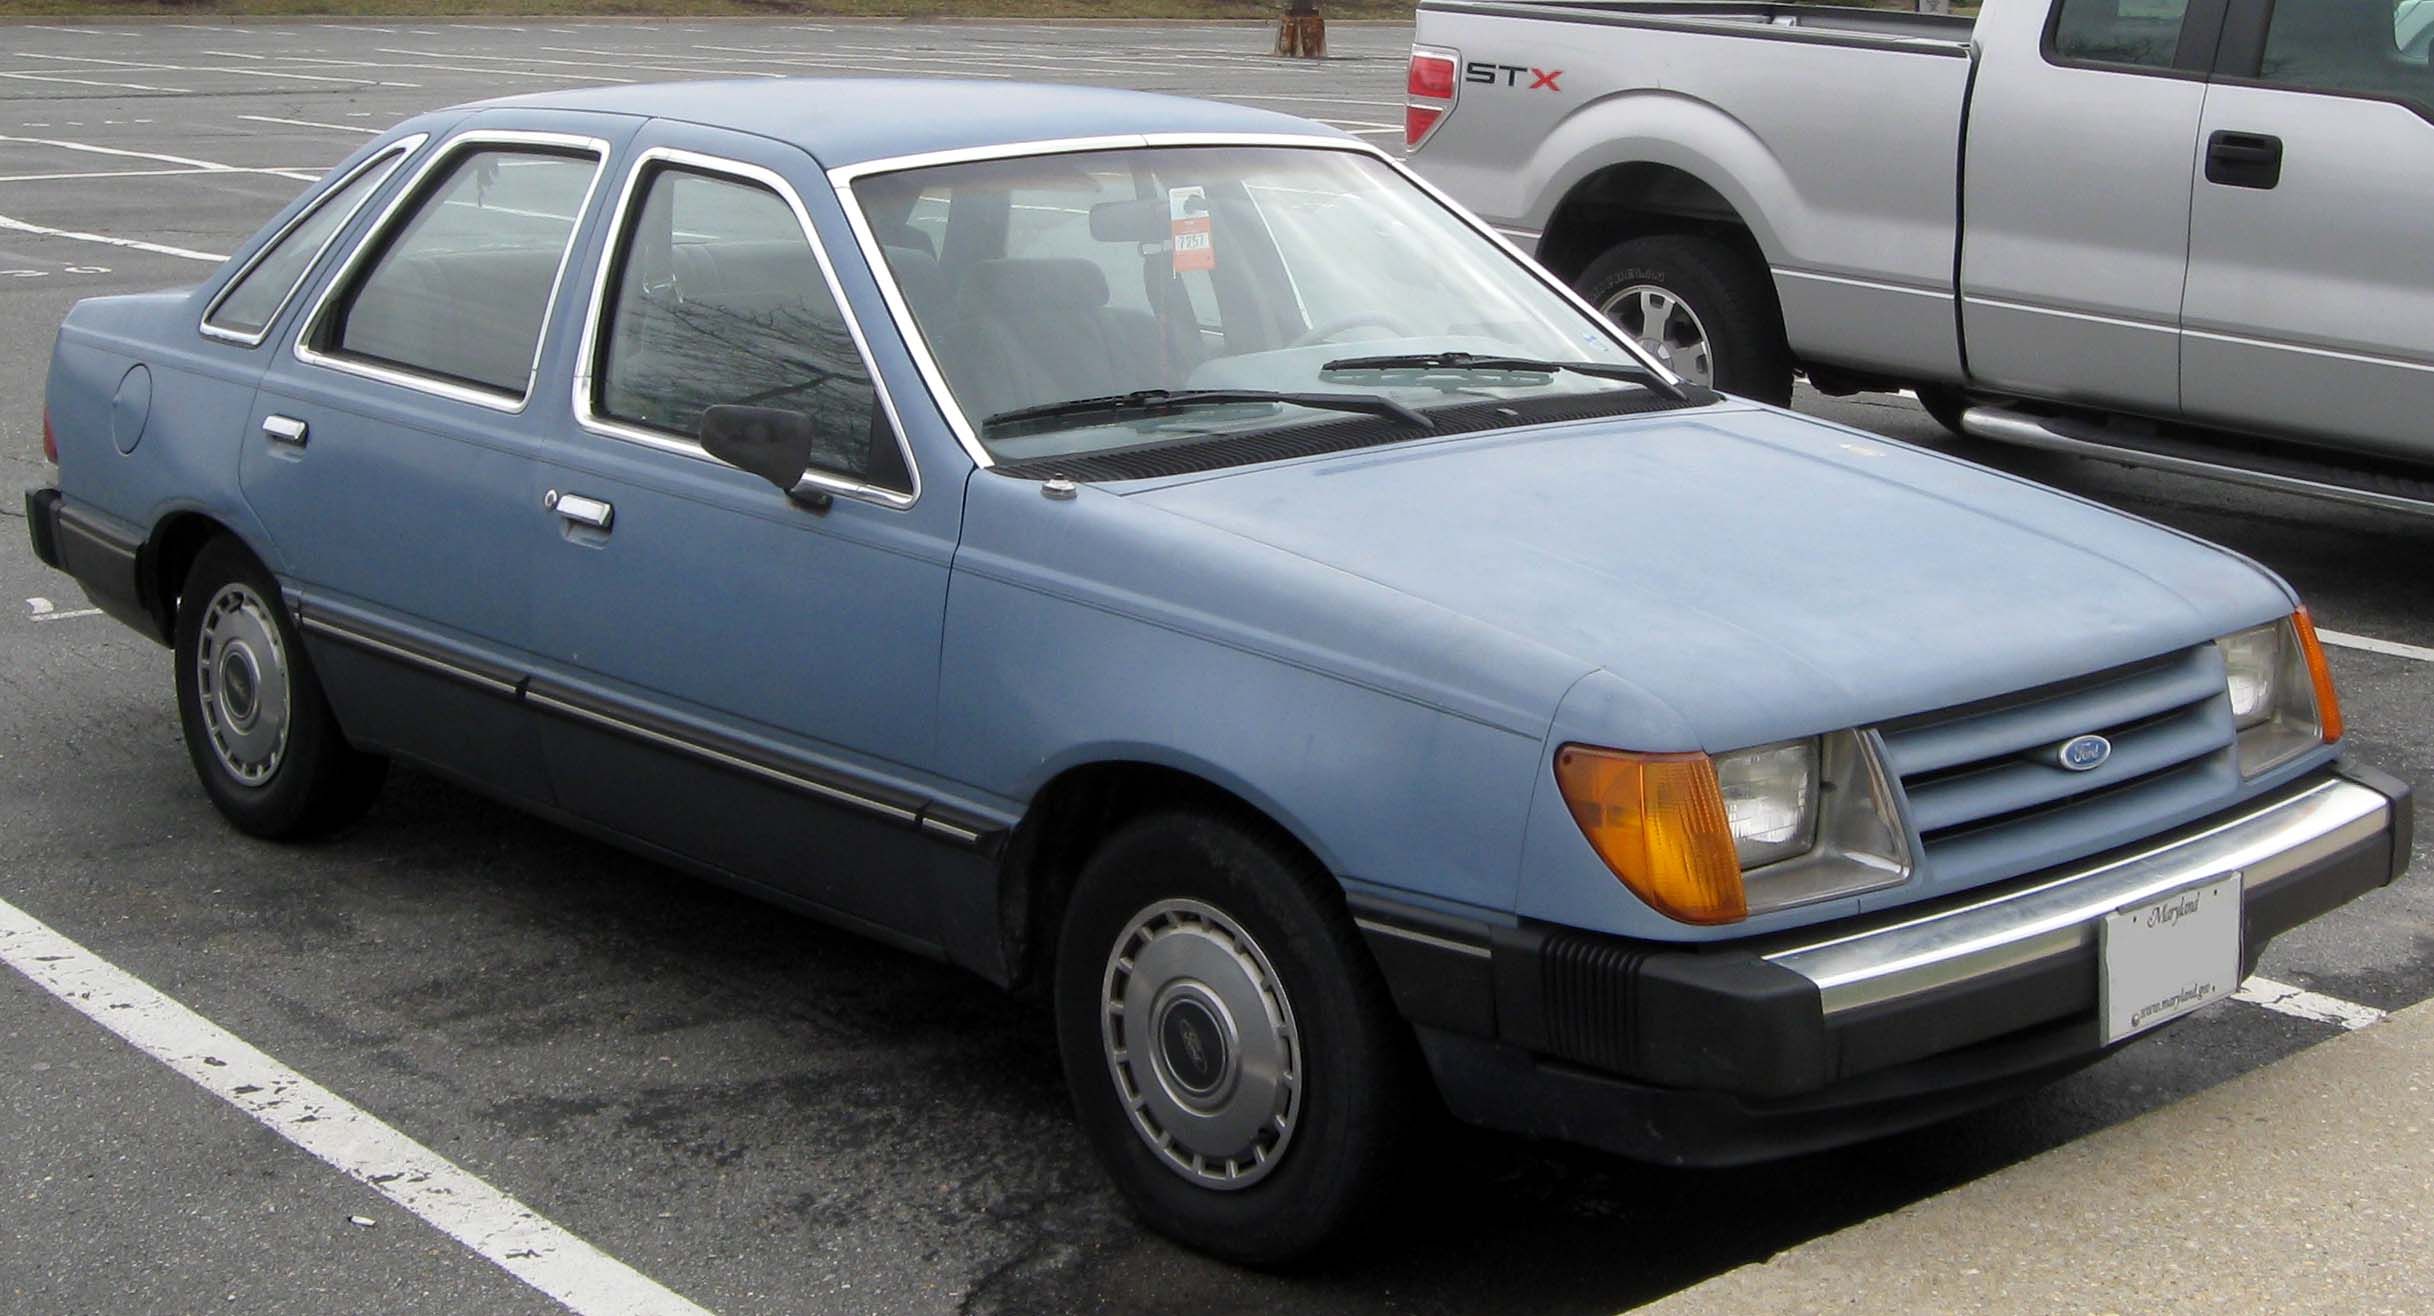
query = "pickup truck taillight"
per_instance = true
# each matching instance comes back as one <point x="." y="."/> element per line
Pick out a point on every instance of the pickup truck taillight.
<point x="50" y="441"/>
<point x="1430" y="92"/>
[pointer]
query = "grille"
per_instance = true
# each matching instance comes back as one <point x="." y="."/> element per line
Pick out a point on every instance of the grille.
<point x="1988" y="804"/>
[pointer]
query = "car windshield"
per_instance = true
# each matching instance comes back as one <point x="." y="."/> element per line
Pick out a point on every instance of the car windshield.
<point x="1228" y="270"/>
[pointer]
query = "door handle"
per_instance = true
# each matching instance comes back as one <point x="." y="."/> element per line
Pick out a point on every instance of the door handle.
<point x="581" y="510"/>
<point x="2244" y="160"/>
<point x="284" y="429"/>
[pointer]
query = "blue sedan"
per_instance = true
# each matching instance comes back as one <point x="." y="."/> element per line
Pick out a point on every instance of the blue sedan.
<point x="1164" y="552"/>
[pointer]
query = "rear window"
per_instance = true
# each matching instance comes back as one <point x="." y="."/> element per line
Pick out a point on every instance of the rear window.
<point x="254" y="299"/>
<point x="2133" y="33"/>
<point x="462" y="289"/>
<point x="2364" y="47"/>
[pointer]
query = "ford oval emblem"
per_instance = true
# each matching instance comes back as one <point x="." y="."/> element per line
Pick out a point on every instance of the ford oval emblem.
<point x="2084" y="753"/>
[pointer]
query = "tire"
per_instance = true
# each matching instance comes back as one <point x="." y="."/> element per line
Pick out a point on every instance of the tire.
<point x="1721" y="299"/>
<point x="259" y="730"/>
<point x="1945" y="404"/>
<point x="1205" y="909"/>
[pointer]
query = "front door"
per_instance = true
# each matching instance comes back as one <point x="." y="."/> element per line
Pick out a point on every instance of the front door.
<point x="734" y="674"/>
<point x="2310" y="306"/>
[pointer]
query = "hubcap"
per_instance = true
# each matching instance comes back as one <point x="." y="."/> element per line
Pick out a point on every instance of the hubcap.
<point x="1666" y="328"/>
<point x="1201" y="1043"/>
<point x="241" y="675"/>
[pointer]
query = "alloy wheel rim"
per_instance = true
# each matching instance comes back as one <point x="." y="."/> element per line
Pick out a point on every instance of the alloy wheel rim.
<point x="1665" y="328"/>
<point x="241" y="676"/>
<point x="1200" y="1039"/>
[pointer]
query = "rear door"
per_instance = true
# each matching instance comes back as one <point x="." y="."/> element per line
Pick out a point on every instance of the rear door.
<point x="738" y="676"/>
<point x="392" y="452"/>
<point x="2310" y="306"/>
<point x="2075" y="200"/>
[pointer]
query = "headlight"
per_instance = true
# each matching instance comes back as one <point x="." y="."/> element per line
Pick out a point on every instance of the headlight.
<point x="1770" y="800"/>
<point x="2282" y="698"/>
<point x="1715" y="840"/>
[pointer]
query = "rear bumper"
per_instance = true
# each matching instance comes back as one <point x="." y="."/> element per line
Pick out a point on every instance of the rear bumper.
<point x="102" y="558"/>
<point x="42" y="523"/>
<point x="1739" y="1052"/>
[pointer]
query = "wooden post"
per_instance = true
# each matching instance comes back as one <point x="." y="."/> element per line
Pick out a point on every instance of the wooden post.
<point x="1301" y="33"/>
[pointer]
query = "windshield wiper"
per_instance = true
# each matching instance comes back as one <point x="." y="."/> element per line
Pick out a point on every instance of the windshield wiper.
<point x="1471" y="361"/>
<point x="1155" y="401"/>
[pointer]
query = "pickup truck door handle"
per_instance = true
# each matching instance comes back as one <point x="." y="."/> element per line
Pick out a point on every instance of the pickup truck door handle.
<point x="284" y="429"/>
<point x="581" y="510"/>
<point x="2244" y="160"/>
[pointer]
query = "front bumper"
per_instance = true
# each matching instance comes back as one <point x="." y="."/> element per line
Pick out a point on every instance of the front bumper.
<point x="1722" y="1054"/>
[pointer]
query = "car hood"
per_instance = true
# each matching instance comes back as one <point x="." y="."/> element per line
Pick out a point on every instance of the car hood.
<point x="1758" y="573"/>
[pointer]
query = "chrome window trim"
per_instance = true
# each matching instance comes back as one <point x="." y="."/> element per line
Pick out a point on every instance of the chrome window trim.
<point x="843" y="177"/>
<point x="595" y="322"/>
<point x="376" y="239"/>
<point x="403" y="146"/>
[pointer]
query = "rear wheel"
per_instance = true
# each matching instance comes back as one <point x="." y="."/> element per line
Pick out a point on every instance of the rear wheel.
<point x="1701" y="306"/>
<point x="1232" y="1055"/>
<point x="257" y="727"/>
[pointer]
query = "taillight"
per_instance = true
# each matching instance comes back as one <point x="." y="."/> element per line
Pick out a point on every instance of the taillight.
<point x="50" y="441"/>
<point x="1430" y="92"/>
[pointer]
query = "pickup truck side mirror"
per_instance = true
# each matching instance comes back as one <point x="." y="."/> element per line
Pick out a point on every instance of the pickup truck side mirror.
<point x="776" y="444"/>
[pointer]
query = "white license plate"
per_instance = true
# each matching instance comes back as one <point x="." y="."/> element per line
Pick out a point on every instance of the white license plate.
<point x="2164" y="957"/>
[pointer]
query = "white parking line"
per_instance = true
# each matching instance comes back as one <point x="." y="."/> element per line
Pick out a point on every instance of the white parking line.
<point x="41" y="609"/>
<point x="2283" y="998"/>
<point x="213" y="166"/>
<point x="502" y="1230"/>
<point x="2373" y="645"/>
<point x="308" y="123"/>
<point x="20" y="226"/>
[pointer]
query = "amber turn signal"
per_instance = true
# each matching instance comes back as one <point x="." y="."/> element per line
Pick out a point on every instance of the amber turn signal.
<point x="2328" y="700"/>
<point x="1658" y="821"/>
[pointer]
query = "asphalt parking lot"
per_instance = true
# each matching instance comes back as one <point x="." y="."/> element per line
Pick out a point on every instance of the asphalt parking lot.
<point x="758" y="1112"/>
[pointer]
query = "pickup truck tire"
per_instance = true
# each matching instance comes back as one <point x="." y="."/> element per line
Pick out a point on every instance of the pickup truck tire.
<point x="1724" y="329"/>
<point x="260" y="731"/>
<point x="1232" y="1053"/>
<point x="1945" y="405"/>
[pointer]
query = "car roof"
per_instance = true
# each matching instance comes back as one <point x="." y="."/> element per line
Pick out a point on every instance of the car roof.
<point x="847" y="121"/>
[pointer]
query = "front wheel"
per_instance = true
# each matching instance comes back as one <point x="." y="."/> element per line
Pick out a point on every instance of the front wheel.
<point x="1701" y="307"/>
<point x="258" y="729"/>
<point x="1232" y="1054"/>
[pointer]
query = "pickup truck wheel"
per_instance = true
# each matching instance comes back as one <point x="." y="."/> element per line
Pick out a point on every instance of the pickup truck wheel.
<point x="1699" y="306"/>
<point x="257" y="726"/>
<point x="1232" y="1055"/>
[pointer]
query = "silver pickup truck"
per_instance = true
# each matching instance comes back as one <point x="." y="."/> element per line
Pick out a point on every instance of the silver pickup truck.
<point x="2190" y="234"/>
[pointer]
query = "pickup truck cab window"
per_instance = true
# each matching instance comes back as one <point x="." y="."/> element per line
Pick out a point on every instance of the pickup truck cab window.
<point x="244" y="310"/>
<point x="2360" y="47"/>
<point x="719" y="298"/>
<point x="2135" y="33"/>
<point x="1087" y="275"/>
<point x="458" y="286"/>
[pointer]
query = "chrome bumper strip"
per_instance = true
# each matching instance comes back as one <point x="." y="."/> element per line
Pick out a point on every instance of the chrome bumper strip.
<point x="2059" y="917"/>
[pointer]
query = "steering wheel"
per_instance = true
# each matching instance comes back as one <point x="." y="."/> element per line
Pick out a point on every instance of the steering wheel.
<point x="1321" y="333"/>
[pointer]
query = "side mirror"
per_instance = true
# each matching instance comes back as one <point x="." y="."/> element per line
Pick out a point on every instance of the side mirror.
<point x="771" y="442"/>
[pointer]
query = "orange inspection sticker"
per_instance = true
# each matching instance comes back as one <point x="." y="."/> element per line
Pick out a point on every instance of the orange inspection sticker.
<point x="1188" y="209"/>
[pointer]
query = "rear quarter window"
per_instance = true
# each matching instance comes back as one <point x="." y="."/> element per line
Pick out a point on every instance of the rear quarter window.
<point x="246" y="307"/>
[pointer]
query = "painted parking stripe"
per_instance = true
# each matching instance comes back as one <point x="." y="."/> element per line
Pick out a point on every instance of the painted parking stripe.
<point x="504" y="1231"/>
<point x="2373" y="645"/>
<point x="2283" y="998"/>
<point x="309" y="123"/>
<point x="20" y="226"/>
